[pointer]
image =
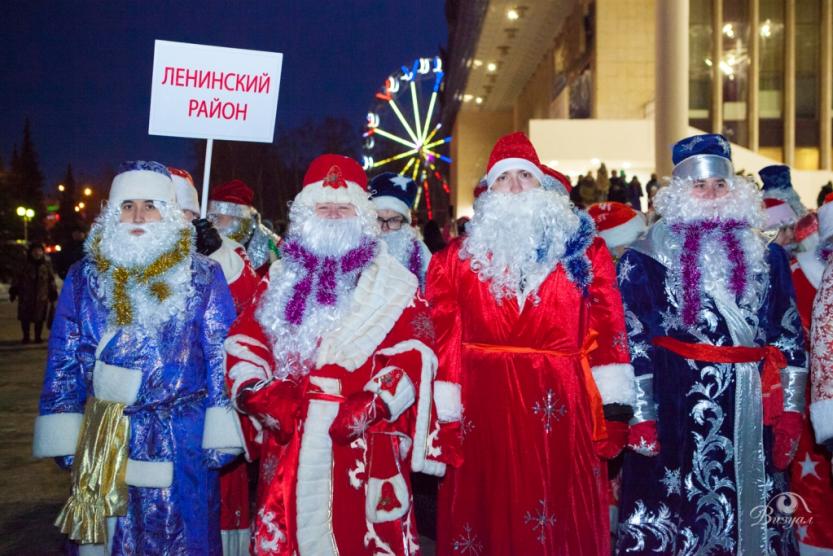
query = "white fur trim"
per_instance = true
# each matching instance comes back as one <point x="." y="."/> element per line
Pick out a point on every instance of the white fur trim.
<point x="235" y="542"/>
<point x="387" y="202"/>
<point x="186" y="194"/>
<point x="384" y="289"/>
<point x="502" y="166"/>
<point x="616" y="383"/>
<point x="313" y="502"/>
<point x="230" y="209"/>
<point x="142" y="184"/>
<point x="374" y="493"/>
<point x="315" y="193"/>
<point x="825" y="216"/>
<point x="779" y="215"/>
<point x="241" y="373"/>
<point x="56" y="434"/>
<point x="447" y="401"/>
<point x="250" y="366"/>
<point x="116" y="384"/>
<point x="811" y="267"/>
<point x="230" y="260"/>
<point x="403" y="397"/>
<point x="149" y="474"/>
<point x="222" y="429"/>
<point x="626" y="233"/>
<point x="821" y="414"/>
<point x="419" y="456"/>
<point x="805" y="549"/>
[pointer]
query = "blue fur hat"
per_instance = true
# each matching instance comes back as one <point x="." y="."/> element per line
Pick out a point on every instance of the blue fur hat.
<point x="776" y="176"/>
<point x="393" y="192"/>
<point x="703" y="156"/>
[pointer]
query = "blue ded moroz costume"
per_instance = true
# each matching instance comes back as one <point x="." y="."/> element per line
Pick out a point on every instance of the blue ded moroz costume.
<point x="718" y="352"/>
<point x="133" y="396"/>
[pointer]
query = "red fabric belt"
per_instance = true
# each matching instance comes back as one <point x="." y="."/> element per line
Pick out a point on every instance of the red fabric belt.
<point x="590" y="343"/>
<point x="771" y="391"/>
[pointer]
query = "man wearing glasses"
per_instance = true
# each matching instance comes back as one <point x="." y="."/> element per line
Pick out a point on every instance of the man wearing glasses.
<point x="394" y="197"/>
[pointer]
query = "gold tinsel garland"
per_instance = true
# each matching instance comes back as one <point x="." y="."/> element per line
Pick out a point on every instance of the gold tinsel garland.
<point x="141" y="276"/>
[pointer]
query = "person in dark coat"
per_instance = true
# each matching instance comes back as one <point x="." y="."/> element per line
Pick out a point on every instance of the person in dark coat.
<point x="34" y="288"/>
<point x="433" y="236"/>
<point x="71" y="252"/>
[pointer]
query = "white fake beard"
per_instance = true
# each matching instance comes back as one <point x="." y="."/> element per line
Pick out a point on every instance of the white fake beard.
<point x="126" y="250"/>
<point x="515" y="240"/>
<point x="295" y="347"/>
<point x="743" y="202"/>
<point x="235" y="228"/>
<point x="401" y="244"/>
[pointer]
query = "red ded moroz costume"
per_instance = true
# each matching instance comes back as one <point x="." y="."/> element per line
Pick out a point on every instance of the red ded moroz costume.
<point x="338" y="440"/>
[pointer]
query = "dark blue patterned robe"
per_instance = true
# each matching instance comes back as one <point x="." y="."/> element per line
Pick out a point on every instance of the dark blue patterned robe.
<point x="706" y="490"/>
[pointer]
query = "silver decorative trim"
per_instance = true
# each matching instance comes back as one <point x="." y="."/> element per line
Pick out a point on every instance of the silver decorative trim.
<point x="703" y="166"/>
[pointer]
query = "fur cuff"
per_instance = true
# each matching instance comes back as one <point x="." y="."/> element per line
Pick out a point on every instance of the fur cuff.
<point x="149" y="474"/>
<point x="821" y="413"/>
<point x="221" y="430"/>
<point x="447" y="401"/>
<point x="615" y="383"/>
<point x="116" y="384"/>
<point x="56" y="434"/>
<point x="404" y="394"/>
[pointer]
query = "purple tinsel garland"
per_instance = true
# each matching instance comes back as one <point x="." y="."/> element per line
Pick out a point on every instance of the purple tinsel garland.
<point x="322" y="271"/>
<point x="415" y="261"/>
<point x="690" y="260"/>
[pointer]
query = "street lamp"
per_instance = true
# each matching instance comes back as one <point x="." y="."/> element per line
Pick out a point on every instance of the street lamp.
<point x="87" y="191"/>
<point x="26" y="214"/>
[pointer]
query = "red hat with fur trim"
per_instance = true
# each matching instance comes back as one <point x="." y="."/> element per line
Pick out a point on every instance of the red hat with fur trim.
<point x="233" y="198"/>
<point x="778" y="213"/>
<point x="186" y="193"/>
<point x="617" y="223"/>
<point x="826" y="218"/>
<point x="513" y="152"/>
<point x="332" y="178"/>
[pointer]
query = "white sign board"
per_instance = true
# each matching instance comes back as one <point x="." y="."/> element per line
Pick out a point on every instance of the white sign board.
<point x="212" y="92"/>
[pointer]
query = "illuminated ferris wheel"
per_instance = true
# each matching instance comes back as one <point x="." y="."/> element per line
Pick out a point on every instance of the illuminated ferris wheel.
<point x="404" y="133"/>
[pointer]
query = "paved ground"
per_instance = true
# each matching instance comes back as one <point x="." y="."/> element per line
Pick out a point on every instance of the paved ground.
<point x="31" y="492"/>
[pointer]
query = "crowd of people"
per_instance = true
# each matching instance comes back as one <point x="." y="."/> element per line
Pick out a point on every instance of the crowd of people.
<point x="581" y="379"/>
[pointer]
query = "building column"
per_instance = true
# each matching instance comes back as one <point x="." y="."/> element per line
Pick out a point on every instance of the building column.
<point x="754" y="72"/>
<point x="670" y="80"/>
<point x="717" y="74"/>
<point x="826" y="89"/>
<point x="789" y="82"/>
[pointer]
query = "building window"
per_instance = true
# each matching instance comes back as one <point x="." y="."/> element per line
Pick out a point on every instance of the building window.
<point x="771" y="81"/>
<point x="734" y="67"/>
<point x="807" y="63"/>
<point x="699" y="63"/>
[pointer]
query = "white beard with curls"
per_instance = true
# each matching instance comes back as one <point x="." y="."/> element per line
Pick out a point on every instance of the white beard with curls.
<point x="516" y="239"/>
<point x="295" y="347"/>
<point x="127" y="250"/>
<point x="742" y="203"/>
<point x="401" y="244"/>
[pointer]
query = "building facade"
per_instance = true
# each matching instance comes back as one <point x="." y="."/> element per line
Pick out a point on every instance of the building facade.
<point x="618" y="81"/>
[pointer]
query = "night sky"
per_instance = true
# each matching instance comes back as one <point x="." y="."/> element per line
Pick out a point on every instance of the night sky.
<point x="81" y="71"/>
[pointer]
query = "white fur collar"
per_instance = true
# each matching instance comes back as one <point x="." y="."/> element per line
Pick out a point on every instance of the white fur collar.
<point x="811" y="266"/>
<point x="384" y="290"/>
